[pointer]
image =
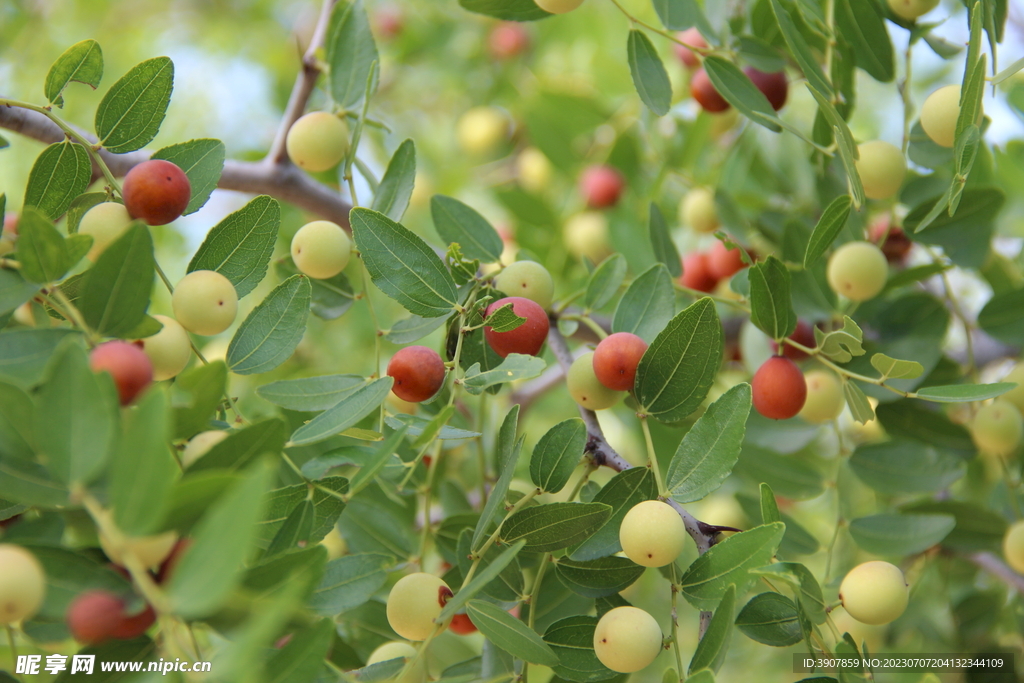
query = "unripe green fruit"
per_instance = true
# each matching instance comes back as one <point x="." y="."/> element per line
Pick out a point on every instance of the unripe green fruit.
<point x="586" y="235"/>
<point x="22" y="584"/>
<point x="627" y="639"/>
<point x="586" y="389"/>
<point x="480" y="130"/>
<point x="321" y="249"/>
<point x="394" y="650"/>
<point x="534" y="170"/>
<point x="858" y="271"/>
<point x="881" y="168"/>
<point x="169" y="349"/>
<point x="874" y="593"/>
<point x="1013" y="546"/>
<point x="1015" y="395"/>
<point x="697" y="210"/>
<point x="939" y="114"/>
<point x="150" y="550"/>
<point x="558" y="6"/>
<point x="318" y="141"/>
<point x="652" y="534"/>
<point x="912" y="9"/>
<point x="825" y="400"/>
<point x="997" y="428"/>
<point x="529" y="280"/>
<point x="205" y="302"/>
<point x="200" y="444"/>
<point x="105" y="222"/>
<point x="415" y="601"/>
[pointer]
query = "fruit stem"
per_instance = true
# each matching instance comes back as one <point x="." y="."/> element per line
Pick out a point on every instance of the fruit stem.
<point x="76" y="315"/>
<point x="697" y="294"/>
<point x="652" y="458"/>
<point x="431" y="472"/>
<point x="532" y="600"/>
<point x="589" y="322"/>
<point x="673" y="586"/>
<point x="376" y="336"/>
<point x="654" y="29"/>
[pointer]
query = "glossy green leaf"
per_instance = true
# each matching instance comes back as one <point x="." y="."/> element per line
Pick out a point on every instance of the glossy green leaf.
<point x="241" y="446"/>
<point x="809" y="595"/>
<point x="392" y="195"/>
<point x="349" y="582"/>
<point x="458" y="223"/>
<point x="771" y="619"/>
<point x="572" y="639"/>
<point x="771" y="304"/>
<point x="269" y="334"/>
<point x="769" y="506"/>
<point x="862" y="24"/>
<point x="649" y="76"/>
<point x="557" y="454"/>
<point x="504" y="319"/>
<point x="346" y="413"/>
<point x="310" y="393"/>
<point x="508" y="450"/>
<point x="42" y="252"/>
<point x="647" y="304"/>
<point x="60" y="173"/>
<point x="712" y="647"/>
<point x="831" y="223"/>
<point x="510" y="634"/>
<point x="555" y="526"/>
<point x="198" y="393"/>
<point x="240" y="246"/>
<point x="202" y="161"/>
<point x="598" y="578"/>
<point x="605" y="281"/>
<point x="82" y="62"/>
<point x="728" y="564"/>
<point x="626" y="489"/>
<point x="516" y="366"/>
<point x="963" y="393"/>
<point x="889" y="534"/>
<point x="800" y="50"/>
<point x="905" y="466"/>
<point x="115" y="291"/>
<point x="351" y="53"/>
<point x="130" y="114"/>
<point x="739" y="91"/>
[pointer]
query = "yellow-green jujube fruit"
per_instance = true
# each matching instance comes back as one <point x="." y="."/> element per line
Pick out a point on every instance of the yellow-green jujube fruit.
<point x="652" y="534"/>
<point x="415" y="601"/>
<point x="394" y="650"/>
<point x="874" y="593"/>
<point x="22" y="584"/>
<point x="1013" y="546"/>
<point x="939" y="114"/>
<point x="558" y="6"/>
<point x="150" y="550"/>
<point x="912" y="9"/>
<point x="321" y="249"/>
<point x="586" y="235"/>
<point x="533" y="170"/>
<point x="335" y="544"/>
<point x="627" y="639"/>
<point x="200" y="444"/>
<point x="104" y="222"/>
<point x="529" y="280"/>
<point x="481" y="129"/>
<point x="825" y="400"/>
<point x="857" y="270"/>
<point x="1015" y="395"/>
<point x="881" y="168"/>
<point x="169" y="349"/>
<point x="586" y="389"/>
<point x="205" y="302"/>
<point x="318" y="141"/>
<point x="697" y="210"/>
<point x="997" y="428"/>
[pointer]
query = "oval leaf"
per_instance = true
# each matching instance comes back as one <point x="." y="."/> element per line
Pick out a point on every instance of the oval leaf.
<point x="345" y="414"/>
<point x="625" y="490"/>
<point x="712" y="647"/>
<point x="728" y="564"/>
<point x="771" y="619"/>
<point x="395" y="189"/>
<point x="240" y="246"/>
<point x="739" y="91"/>
<point x="605" y="281"/>
<point x="557" y="454"/>
<point x="649" y="76"/>
<point x="60" y="173"/>
<point x="269" y="334"/>
<point x="832" y="221"/>
<point x="130" y="114"/>
<point x="310" y="393"/>
<point x="598" y="578"/>
<point x="351" y="52"/>
<point x="771" y="303"/>
<point x="554" y="526"/>
<point x="889" y="534"/>
<point x="115" y="291"/>
<point x="905" y="466"/>
<point x="963" y="393"/>
<point x="510" y="634"/>
<point x="647" y="304"/>
<point x="82" y="62"/>
<point x="457" y="223"/>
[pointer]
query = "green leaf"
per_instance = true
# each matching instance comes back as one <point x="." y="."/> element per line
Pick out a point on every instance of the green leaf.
<point x="395" y="189"/>
<point x="572" y="639"/>
<point x="1003" y="316"/>
<point x="811" y="600"/>
<point x="831" y="223"/>
<point x="346" y="413"/>
<point x="680" y="366"/>
<point x="302" y="657"/>
<point x="916" y="421"/>
<point x="60" y="173"/>
<point x="661" y="241"/>
<point x="977" y="528"/>
<point x="203" y="389"/>
<point x="24" y="353"/>
<point x="963" y="393"/>
<point x="800" y="50"/>
<point x="224" y="537"/>
<point x="891" y="368"/>
<point x="310" y="393"/>
<point x="709" y="451"/>
<point x="484" y="577"/>
<point x="351" y="53"/>
<point x="42" y="251"/>
<point x="384" y="452"/>
<point x="649" y="76"/>
<point x="516" y="366"/>
<point x="331" y="297"/>
<point x="202" y="161"/>
<point x="862" y="24"/>
<point x="712" y="647"/>
<point x="905" y="466"/>
<point x="82" y="62"/>
<point x="771" y="619"/>
<point x="240" y="246"/>
<point x="78" y="246"/>
<point x="739" y="91"/>
<point x="77" y="413"/>
<point x="326" y="496"/>
<point x="115" y="291"/>
<point x="769" y="506"/>
<point x="509" y="10"/>
<point x="16" y="420"/>
<point x="843" y="344"/>
<point x="788" y="476"/>
<point x="605" y="281"/>
<point x="625" y="490"/>
<point x="69" y="574"/>
<point x="402" y="265"/>
<point x="143" y="472"/>
<point x="889" y="534"/>
<point x="504" y="319"/>
<point x="242" y="446"/>
<point x="557" y="454"/>
<point x="510" y="634"/>
<point x="14" y="291"/>
<point x="647" y="304"/>
<point x="130" y="114"/>
<point x="349" y="582"/>
<point x="269" y="334"/>
<point x="729" y="563"/>
<point x="857" y="402"/>
<point x="79" y="206"/>
<point x="294" y="532"/>
<point x="555" y="526"/>
<point x="460" y="224"/>
<point x="771" y="304"/>
<point x="598" y="578"/>
<point x="980" y="208"/>
<point x="413" y="328"/>
<point x="508" y="450"/>
<point x="678" y="15"/>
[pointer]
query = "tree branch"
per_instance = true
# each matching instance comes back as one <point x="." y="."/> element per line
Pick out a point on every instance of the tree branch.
<point x="997" y="568"/>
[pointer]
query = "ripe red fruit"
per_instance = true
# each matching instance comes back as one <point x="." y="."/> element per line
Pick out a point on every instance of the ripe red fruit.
<point x="134" y="626"/>
<point x="774" y="85"/>
<point x="507" y="40"/>
<point x="778" y="389"/>
<point x="156" y="192"/>
<point x="94" y="616"/>
<point x="804" y="335"/>
<point x="127" y="363"/>
<point x="724" y="262"/>
<point x="389" y="22"/>
<point x="418" y="372"/>
<point x="616" y="359"/>
<point x="692" y="37"/>
<point x="697" y="272"/>
<point x="528" y="338"/>
<point x="703" y="90"/>
<point x="462" y="625"/>
<point x="601" y="186"/>
<point x="896" y="246"/>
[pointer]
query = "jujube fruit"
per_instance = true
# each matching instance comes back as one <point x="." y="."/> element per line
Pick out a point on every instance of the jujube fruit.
<point x="200" y="444"/>
<point x="697" y="272"/>
<point x="1015" y="395"/>
<point x="205" y="302"/>
<point x="317" y="141"/>
<point x="418" y="373"/>
<point x="601" y="186"/>
<point x="527" y="279"/>
<point x="1013" y="546"/>
<point x="997" y="428"/>
<point x="127" y="364"/>
<point x="156" y="192"/>
<point x="693" y="38"/>
<point x="558" y="6"/>
<point x="480" y="130"/>
<point x="705" y="93"/>
<point x="912" y="9"/>
<point x="586" y="389"/>
<point x="104" y="222"/>
<point x="939" y="115"/>
<point x="415" y="601"/>
<point x="169" y="350"/>
<point x="321" y="249"/>
<point x="881" y="168"/>
<point x="528" y="338"/>
<point x="697" y="210"/>
<point x="874" y="593"/>
<point x="22" y="584"/>
<point x="388" y="21"/>
<point x="462" y="624"/>
<point x="507" y="40"/>
<point x="533" y="170"/>
<point x="778" y="390"/>
<point x="652" y="534"/>
<point x="134" y="625"/>
<point x="772" y="84"/>
<point x="586" y="235"/>
<point x="724" y="262"/>
<point x="627" y="639"/>
<point x="803" y="335"/>
<point x="93" y="616"/>
<point x="616" y="359"/>
<point x="397" y="649"/>
<point x="150" y="550"/>
<point x="858" y="271"/>
<point x="825" y="400"/>
<point x="893" y="242"/>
